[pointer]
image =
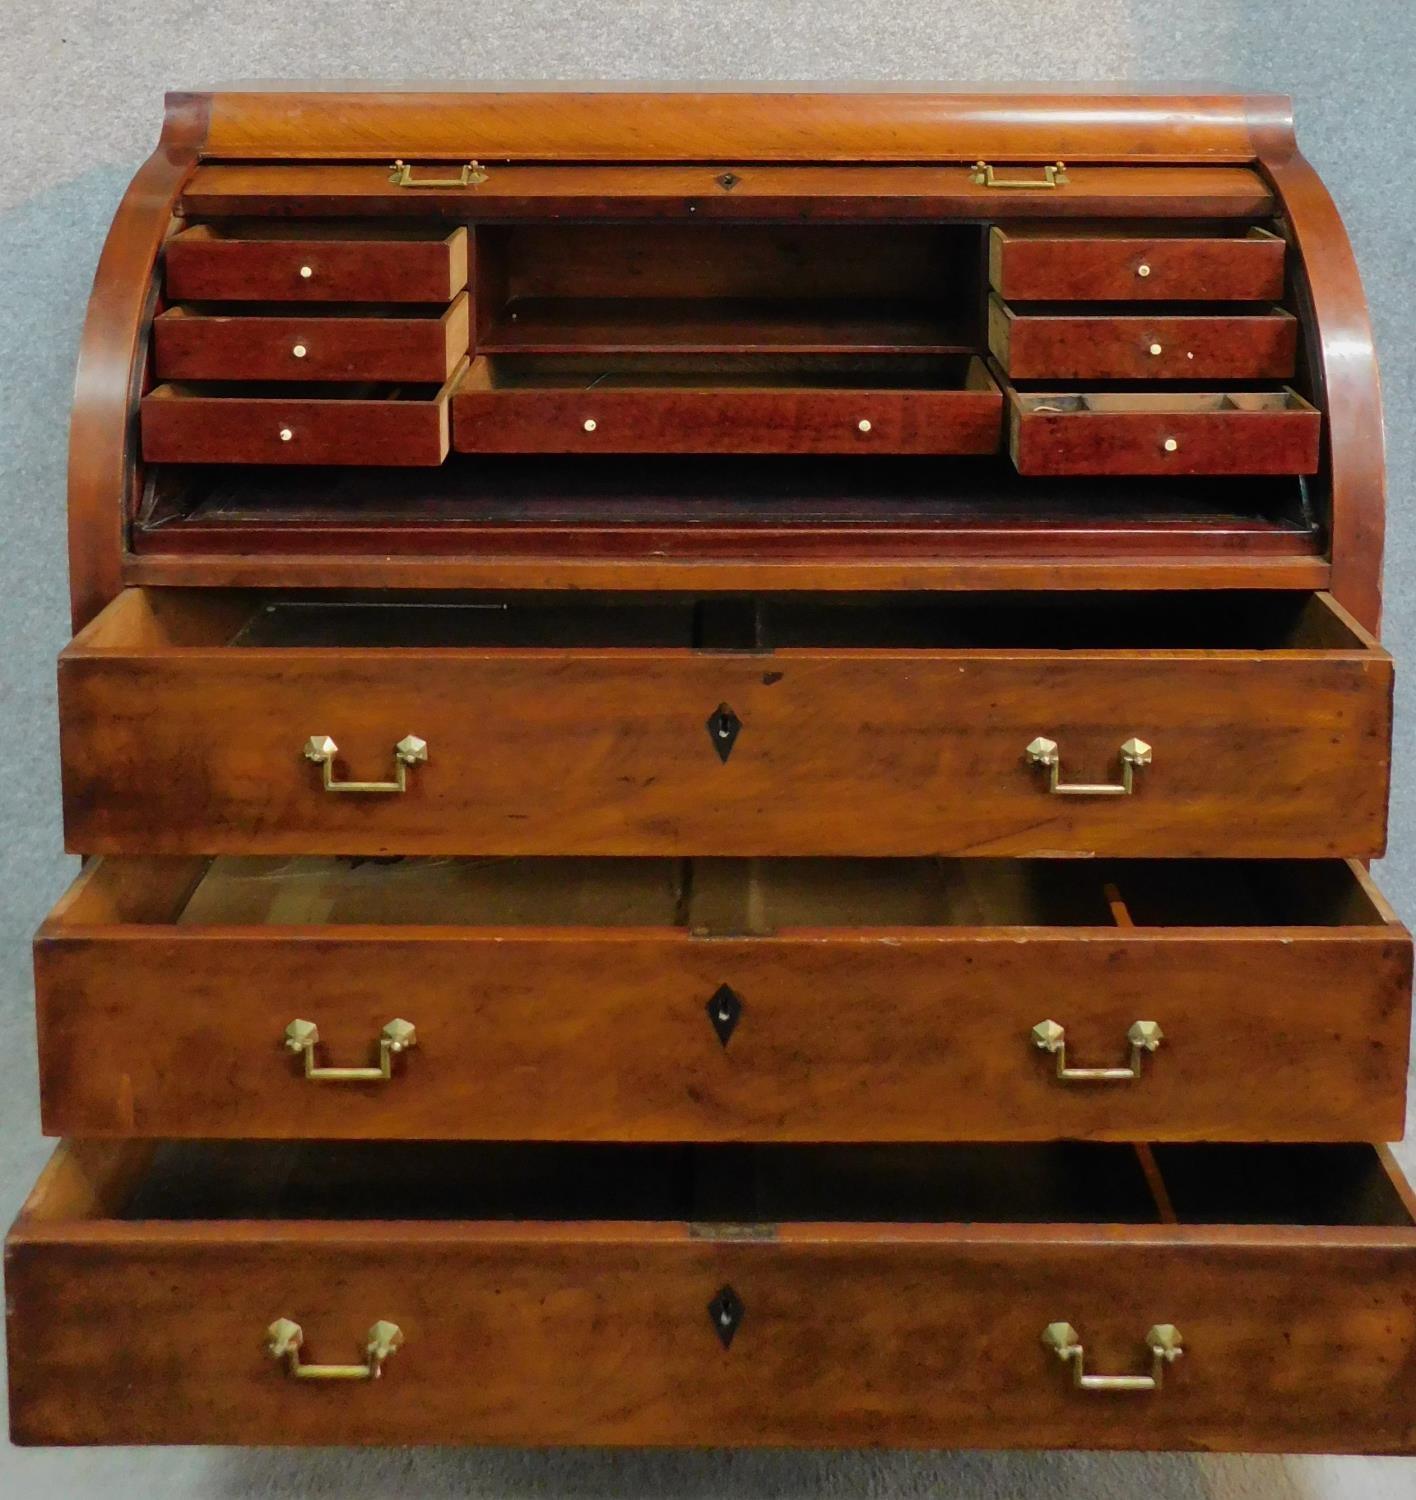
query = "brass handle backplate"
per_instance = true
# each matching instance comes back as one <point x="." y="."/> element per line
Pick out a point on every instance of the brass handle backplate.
<point x="1044" y="752"/>
<point x="398" y="1036"/>
<point x="409" y="751"/>
<point x="1163" y="1341"/>
<point x="1143" y="1037"/>
<point x="1054" y="175"/>
<point x="400" y="174"/>
<point x="284" y="1338"/>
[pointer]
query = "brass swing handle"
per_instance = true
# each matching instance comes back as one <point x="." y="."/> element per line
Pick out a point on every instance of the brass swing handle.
<point x="398" y="1036"/>
<point x="284" y="1338"/>
<point x="1163" y="1341"/>
<point x="409" y="751"/>
<point x="1044" y="752"/>
<point x="400" y="174"/>
<point x="1054" y="175"/>
<point x="1143" y="1036"/>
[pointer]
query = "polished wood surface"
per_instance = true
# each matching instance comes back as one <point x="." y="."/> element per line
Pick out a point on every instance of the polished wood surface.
<point x="879" y="1001"/>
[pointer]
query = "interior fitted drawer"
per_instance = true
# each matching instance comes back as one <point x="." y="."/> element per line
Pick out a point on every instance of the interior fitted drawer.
<point x="1163" y="432"/>
<point x="1094" y="263"/>
<point x="720" y="999"/>
<point x="198" y="343"/>
<point x="1052" y="342"/>
<point x="270" y="261"/>
<point x="1157" y="724"/>
<point x="228" y="422"/>
<point x="1068" y="1296"/>
<point x="756" y="404"/>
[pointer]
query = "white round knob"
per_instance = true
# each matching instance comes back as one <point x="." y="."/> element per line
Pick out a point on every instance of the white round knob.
<point x="1155" y="348"/>
<point x="590" y="424"/>
<point x="307" y="271"/>
<point x="286" y="434"/>
<point x="864" y="424"/>
<point x="299" y="351"/>
<point x="1170" y="445"/>
<point x="1143" y="270"/>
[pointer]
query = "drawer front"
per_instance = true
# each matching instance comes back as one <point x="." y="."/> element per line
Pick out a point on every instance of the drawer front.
<point x="1077" y="267"/>
<point x="602" y="1035"/>
<point x="1160" y="441"/>
<point x="183" y="428"/>
<point x="197" y="346"/>
<point x="618" y="752"/>
<point x="913" y="1335"/>
<point x="1056" y="346"/>
<point x="205" y="266"/>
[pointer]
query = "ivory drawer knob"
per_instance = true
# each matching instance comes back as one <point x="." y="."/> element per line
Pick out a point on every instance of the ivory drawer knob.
<point x="306" y="272"/>
<point x="299" y="351"/>
<point x="1143" y="270"/>
<point x="1155" y="349"/>
<point x="1170" y="445"/>
<point x="590" y="424"/>
<point x="286" y="434"/>
<point x="864" y="424"/>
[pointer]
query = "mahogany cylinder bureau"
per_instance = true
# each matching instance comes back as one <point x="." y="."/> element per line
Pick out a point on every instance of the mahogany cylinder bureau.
<point x="726" y="745"/>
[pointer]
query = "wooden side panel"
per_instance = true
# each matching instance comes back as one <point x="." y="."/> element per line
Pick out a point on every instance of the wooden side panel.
<point x="853" y="752"/>
<point x="866" y="1336"/>
<point x="572" y="1035"/>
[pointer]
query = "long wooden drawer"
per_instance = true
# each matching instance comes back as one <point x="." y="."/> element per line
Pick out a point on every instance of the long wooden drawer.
<point x="1158" y="725"/>
<point x="772" y="1000"/>
<point x="805" y="404"/>
<point x="270" y="261"/>
<point x="1094" y="263"/>
<point x="1053" y="342"/>
<point x="199" y="344"/>
<point x="1070" y="1296"/>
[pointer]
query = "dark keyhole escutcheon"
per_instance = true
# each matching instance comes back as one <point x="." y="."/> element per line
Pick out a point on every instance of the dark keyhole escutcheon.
<point x="724" y="1011"/>
<point x="723" y="729"/>
<point x="726" y="1311"/>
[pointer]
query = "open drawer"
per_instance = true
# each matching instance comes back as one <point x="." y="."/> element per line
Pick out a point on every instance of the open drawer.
<point x="234" y="422"/>
<point x="723" y="999"/>
<point x="1160" y="724"/>
<point x="727" y="404"/>
<point x="1069" y="1296"/>
<point x="1163" y="432"/>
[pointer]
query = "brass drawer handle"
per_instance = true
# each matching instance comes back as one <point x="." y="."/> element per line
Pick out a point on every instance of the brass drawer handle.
<point x="1044" y="752"/>
<point x="400" y="174"/>
<point x="1143" y="1036"/>
<point x="409" y="751"/>
<point x="398" y="1036"/>
<point x="1054" y="175"/>
<point x="1163" y="1341"/>
<point x="283" y="1340"/>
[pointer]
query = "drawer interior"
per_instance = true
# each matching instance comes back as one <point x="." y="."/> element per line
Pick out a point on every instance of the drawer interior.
<point x="722" y="896"/>
<point x="287" y="393"/>
<point x="1064" y="1182"/>
<point x="1153" y="400"/>
<point x="239" y="231"/>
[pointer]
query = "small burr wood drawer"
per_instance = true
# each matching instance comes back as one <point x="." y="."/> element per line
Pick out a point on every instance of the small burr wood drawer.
<point x="270" y="261"/>
<point x="1068" y="343"/>
<point x="1091" y="263"/>
<point x="231" y="422"/>
<point x="1075" y="1295"/>
<point x="1232" y="724"/>
<point x="1163" y="432"/>
<point x="750" y="404"/>
<point x="200" y="344"/>
<point x="721" y="999"/>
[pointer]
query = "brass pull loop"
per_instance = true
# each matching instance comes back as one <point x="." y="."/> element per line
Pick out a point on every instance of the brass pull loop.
<point x="284" y="1338"/>
<point x="398" y="1036"/>
<point x="1044" y="752"/>
<point x="1143" y="1036"/>
<point x="1163" y="1341"/>
<point x="1054" y="175"/>
<point x="409" y="751"/>
<point x="400" y="174"/>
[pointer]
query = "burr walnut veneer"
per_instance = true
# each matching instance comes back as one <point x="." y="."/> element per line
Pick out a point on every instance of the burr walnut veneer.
<point x="725" y="745"/>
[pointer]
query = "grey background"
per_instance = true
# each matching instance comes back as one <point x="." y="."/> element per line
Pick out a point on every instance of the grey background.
<point x="81" y="83"/>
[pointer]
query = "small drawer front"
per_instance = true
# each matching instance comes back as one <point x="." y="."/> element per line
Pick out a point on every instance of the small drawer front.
<point x="839" y="1330"/>
<point x="1077" y="346"/>
<point x="190" y="345"/>
<point x="184" y="424"/>
<point x="1079" y="266"/>
<point x="1001" y="1022"/>
<point x="1126" y="433"/>
<point x="207" y="264"/>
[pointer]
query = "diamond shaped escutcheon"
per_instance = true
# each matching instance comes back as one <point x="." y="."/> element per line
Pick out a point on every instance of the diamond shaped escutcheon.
<point x="726" y="1311"/>
<point x="724" y="1012"/>
<point x="723" y="728"/>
